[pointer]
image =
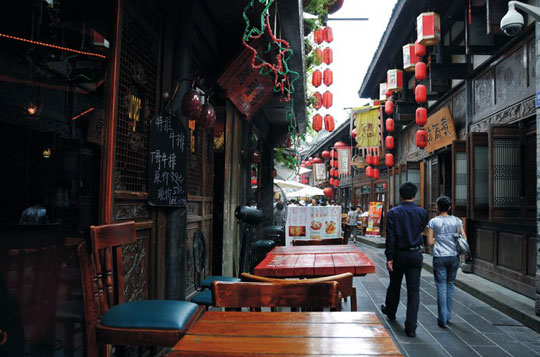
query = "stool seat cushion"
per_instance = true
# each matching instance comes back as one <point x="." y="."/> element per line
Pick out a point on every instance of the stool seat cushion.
<point x="203" y="298"/>
<point x="207" y="283"/>
<point x="154" y="314"/>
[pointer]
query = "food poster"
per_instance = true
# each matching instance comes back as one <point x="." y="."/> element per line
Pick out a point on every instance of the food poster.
<point x="374" y="219"/>
<point x="313" y="223"/>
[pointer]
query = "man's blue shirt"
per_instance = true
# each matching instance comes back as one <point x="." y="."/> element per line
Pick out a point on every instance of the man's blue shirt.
<point x="404" y="226"/>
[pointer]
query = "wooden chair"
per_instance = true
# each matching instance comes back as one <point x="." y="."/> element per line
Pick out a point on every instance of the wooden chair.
<point x="345" y="281"/>
<point x="316" y="296"/>
<point x="325" y="241"/>
<point x="108" y="319"/>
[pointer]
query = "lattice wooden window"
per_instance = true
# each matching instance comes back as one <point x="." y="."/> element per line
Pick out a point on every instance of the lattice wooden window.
<point x="459" y="179"/>
<point x="137" y="77"/>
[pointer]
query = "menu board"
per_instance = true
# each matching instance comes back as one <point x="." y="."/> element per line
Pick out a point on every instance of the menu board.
<point x="374" y="219"/>
<point x="167" y="162"/>
<point x="313" y="222"/>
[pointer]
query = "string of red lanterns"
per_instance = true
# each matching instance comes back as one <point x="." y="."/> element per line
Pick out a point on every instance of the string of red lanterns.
<point x="320" y="77"/>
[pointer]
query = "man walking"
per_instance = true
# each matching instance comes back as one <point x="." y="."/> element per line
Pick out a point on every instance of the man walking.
<point x="404" y="226"/>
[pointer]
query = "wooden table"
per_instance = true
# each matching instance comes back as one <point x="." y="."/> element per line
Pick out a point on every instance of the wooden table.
<point x="313" y="261"/>
<point x="299" y="333"/>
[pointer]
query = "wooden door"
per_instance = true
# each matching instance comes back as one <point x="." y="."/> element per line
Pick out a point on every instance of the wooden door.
<point x="477" y="154"/>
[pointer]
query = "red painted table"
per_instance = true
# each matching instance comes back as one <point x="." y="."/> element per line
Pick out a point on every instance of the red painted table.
<point x="313" y="261"/>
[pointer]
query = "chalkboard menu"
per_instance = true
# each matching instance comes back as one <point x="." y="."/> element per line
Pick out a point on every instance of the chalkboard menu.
<point x="167" y="163"/>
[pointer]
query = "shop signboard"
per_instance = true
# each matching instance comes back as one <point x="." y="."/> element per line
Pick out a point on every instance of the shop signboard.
<point x="319" y="172"/>
<point x="374" y="219"/>
<point x="440" y="129"/>
<point x="344" y="161"/>
<point x="313" y="222"/>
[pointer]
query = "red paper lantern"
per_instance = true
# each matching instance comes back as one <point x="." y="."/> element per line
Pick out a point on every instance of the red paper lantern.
<point x="328" y="192"/>
<point x="419" y="49"/>
<point x="389" y="107"/>
<point x="420" y="93"/>
<point x="340" y="144"/>
<point x="376" y="174"/>
<point x="336" y="164"/>
<point x="317" y="122"/>
<point x="317" y="104"/>
<point x="388" y="93"/>
<point x="255" y="157"/>
<point x="253" y="182"/>
<point x="353" y="133"/>
<point x="318" y="36"/>
<point x="329" y="123"/>
<point x="316" y="78"/>
<point x="328" y="55"/>
<point x="318" y="56"/>
<point x="390" y="124"/>
<point x="421" y="138"/>
<point x="389" y="142"/>
<point x="369" y="159"/>
<point x="191" y="106"/>
<point x="376" y="160"/>
<point x="369" y="171"/>
<point x="428" y="28"/>
<point x="420" y="71"/>
<point x="303" y="164"/>
<point x="318" y="160"/>
<point x="309" y="163"/>
<point x="421" y="116"/>
<point x="208" y="116"/>
<point x="335" y="6"/>
<point x="328" y="34"/>
<point x="328" y="98"/>
<point x="335" y="154"/>
<point x="336" y="182"/>
<point x="328" y="77"/>
<point x="331" y="181"/>
<point x="389" y="160"/>
<point x="326" y="154"/>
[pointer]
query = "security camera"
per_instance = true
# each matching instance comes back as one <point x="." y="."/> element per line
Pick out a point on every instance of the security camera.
<point x="513" y="21"/>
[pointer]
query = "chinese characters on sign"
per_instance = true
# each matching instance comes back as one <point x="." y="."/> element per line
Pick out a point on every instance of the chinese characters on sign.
<point x="167" y="170"/>
<point x="344" y="161"/>
<point x="440" y="129"/>
<point x="245" y="87"/>
<point x="319" y="171"/>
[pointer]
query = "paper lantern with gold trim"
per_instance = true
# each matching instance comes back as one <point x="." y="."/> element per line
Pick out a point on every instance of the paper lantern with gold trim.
<point x="409" y="57"/>
<point x="428" y="28"/>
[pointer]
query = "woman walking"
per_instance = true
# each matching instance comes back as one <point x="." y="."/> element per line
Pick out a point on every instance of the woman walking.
<point x="440" y="232"/>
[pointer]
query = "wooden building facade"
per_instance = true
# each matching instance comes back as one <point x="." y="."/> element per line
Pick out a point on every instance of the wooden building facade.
<point x="482" y="114"/>
<point x="82" y="84"/>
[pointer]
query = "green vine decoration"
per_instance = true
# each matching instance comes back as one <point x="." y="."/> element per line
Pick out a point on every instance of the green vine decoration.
<point x="289" y="161"/>
<point x="319" y="8"/>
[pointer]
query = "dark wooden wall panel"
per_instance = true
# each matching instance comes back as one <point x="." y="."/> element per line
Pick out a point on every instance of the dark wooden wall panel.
<point x="509" y="250"/>
<point x="485" y="240"/>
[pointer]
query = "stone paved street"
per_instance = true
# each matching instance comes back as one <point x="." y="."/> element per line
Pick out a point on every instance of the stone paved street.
<point x="477" y="329"/>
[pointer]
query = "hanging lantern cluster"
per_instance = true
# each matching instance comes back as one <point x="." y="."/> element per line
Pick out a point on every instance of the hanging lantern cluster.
<point x="323" y="57"/>
<point x="334" y="172"/>
<point x="428" y="34"/>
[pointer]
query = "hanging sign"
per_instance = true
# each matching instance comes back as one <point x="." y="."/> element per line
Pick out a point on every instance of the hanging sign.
<point x="344" y="161"/>
<point x="245" y="87"/>
<point x="367" y="128"/>
<point x="374" y="219"/>
<point x="440" y="130"/>
<point x="319" y="172"/>
<point x="358" y="162"/>
<point x="167" y="164"/>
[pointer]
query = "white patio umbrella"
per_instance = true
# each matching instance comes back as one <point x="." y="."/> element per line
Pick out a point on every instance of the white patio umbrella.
<point x="288" y="174"/>
<point x="289" y="184"/>
<point x="308" y="191"/>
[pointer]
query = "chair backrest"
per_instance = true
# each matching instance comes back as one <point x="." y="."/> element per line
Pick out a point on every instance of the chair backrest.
<point x="102" y="271"/>
<point x="316" y="295"/>
<point x="325" y="241"/>
<point x="345" y="281"/>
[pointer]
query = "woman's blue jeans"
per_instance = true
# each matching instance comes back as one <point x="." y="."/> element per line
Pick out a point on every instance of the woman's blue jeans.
<point x="445" y="270"/>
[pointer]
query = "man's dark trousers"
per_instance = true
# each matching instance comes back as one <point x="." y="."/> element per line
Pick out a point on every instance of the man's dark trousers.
<point x="408" y="262"/>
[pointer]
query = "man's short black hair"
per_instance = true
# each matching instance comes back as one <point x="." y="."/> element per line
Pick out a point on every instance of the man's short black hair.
<point x="407" y="190"/>
<point x="443" y="203"/>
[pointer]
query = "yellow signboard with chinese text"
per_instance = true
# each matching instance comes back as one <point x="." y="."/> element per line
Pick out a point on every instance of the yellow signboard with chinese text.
<point x="440" y="129"/>
<point x="367" y="128"/>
